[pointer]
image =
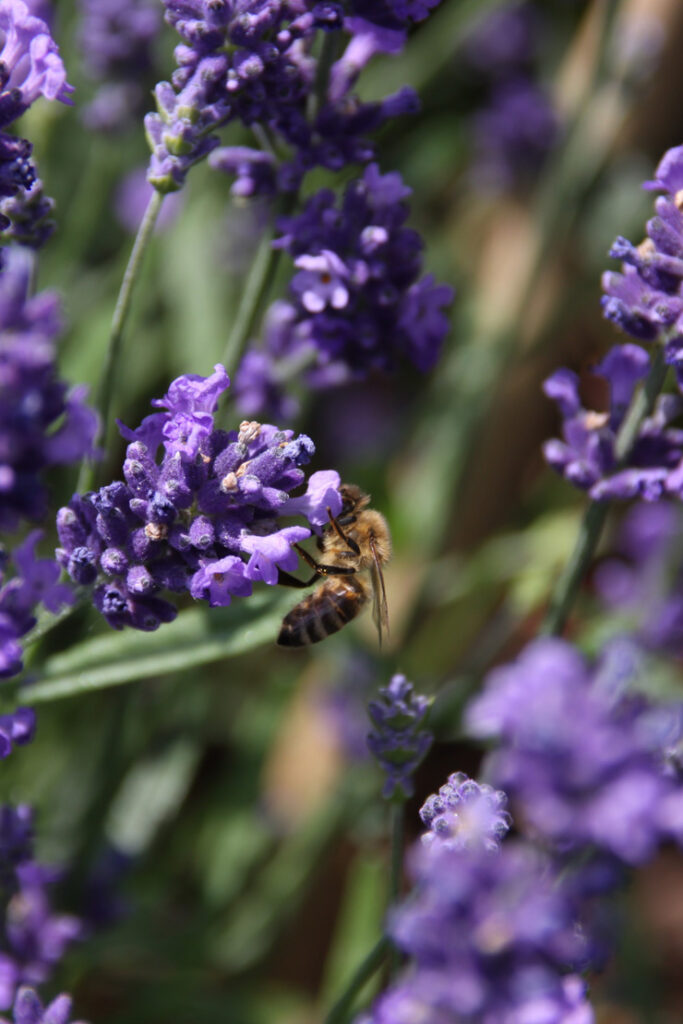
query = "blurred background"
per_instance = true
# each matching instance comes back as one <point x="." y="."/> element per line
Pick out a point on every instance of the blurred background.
<point x="217" y="815"/>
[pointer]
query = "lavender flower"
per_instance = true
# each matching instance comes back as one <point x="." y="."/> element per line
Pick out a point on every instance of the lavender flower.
<point x="35" y="581"/>
<point x="646" y="298"/>
<point x="399" y="742"/>
<point x="116" y="42"/>
<point x="30" y="66"/>
<point x="587" y="456"/>
<point x="29" y="217"/>
<point x="34" y="938"/>
<point x="359" y="304"/>
<point x="577" y="756"/>
<point x="186" y="523"/>
<point x="513" y="135"/>
<point x="254" y="64"/>
<point x="518" y="127"/>
<point x="41" y="422"/>
<point x="465" y="815"/>
<point x="491" y="936"/>
<point x="28" y="1009"/>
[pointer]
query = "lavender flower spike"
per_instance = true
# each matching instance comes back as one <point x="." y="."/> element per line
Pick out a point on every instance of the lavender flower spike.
<point x="28" y="1009"/>
<point x="465" y="815"/>
<point x="200" y="510"/>
<point x="398" y="741"/>
<point x="29" y="61"/>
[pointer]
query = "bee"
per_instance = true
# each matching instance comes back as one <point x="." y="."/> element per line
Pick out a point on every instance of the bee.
<point x="354" y="547"/>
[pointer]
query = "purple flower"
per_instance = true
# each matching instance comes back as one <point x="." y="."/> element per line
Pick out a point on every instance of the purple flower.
<point x="513" y="135"/>
<point x="491" y="936"/>
<point x="34" y="581"/>
<point x="272" y="551"/>
<point x="256" y="64"/>
<point x="321" y="282"/>
<point x="576" y="756"/>
<point x="28" y="1009"/>
<point x="254" y="170"/>
<point x="41" y="422"/>
<point x="116" y="38"/>
<point x="359" y="303"/>
<point x="31" y="65"/>
<point x="219" y="580"/>
<point x="587" y="455"/>
<point x="399" y="742"/>
<point x="184" y="522"/>
<point x="16" y="728"/>
<point x="35" y="938"/>
<point x="465" y="815"/>
<point x="646" y="298"/>
<point x="29" y="215"/>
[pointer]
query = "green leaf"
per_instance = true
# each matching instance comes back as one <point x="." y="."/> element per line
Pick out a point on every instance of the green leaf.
<point x="198" y="636"/>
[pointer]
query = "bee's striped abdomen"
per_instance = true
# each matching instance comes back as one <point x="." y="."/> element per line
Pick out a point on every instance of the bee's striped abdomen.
<point x="323" y="612"/>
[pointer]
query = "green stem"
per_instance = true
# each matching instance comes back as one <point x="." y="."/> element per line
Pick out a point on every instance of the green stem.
<point x="107" y="385"/>
<point x="594" y="517"/>
<point x="258" y="283"/>
<point x="397" y="843"/>
<point x="341" y="1011"/>
<point x="257" y="286"/>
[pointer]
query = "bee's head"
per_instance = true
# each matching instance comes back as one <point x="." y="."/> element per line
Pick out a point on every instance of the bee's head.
<point x="353" y="499"/>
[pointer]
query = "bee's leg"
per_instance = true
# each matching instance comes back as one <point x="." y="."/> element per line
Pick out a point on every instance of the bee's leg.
<point x="286" y="580"/>
<point x="321" y="569"/>
<point x="351" y="544"/>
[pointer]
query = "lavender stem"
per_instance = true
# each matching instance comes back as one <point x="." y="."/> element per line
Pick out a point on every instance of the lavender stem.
<point x="339" y="1014"/>
<point x="107" y="382"/>
<point x="594" y="517"/>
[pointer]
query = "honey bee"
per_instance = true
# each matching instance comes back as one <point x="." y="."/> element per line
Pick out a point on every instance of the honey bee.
<point x="354" y="547"/>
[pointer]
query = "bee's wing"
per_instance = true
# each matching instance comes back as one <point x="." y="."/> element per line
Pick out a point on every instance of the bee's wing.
<point x="380" y="612"/>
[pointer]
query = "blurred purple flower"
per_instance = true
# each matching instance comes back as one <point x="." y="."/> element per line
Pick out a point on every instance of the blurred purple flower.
<point x="41" y="423"/>
<point x="575" y="755"/>
<point x="28" y="1009"/>
<point x="115" y="40"/>
<point x="399" y="740"/>
<point x="491" y="936"/>
<point x="465" y="815"/>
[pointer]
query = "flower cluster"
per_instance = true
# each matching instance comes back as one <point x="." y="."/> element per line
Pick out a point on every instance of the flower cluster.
<point x="30" y="66"/>
<point x="34" y="581"/>
<point x="28" y="1009"/>
<point x="465" y="814"/>
<point x="518" y="127"/>
<point x="588" y="457"/>
<point x="116" y="42"/>
<point x="399" y="740"/>
<point x="646" y="298"/>
<point x="186" y="523"/>
<point x="582" y="760"/>
<point x="358" y="303"/>
<point x="254" y="63"/>
<point x="34" y="938"/>
<point x="41" y="421"/>
<point x="492" y="936"/>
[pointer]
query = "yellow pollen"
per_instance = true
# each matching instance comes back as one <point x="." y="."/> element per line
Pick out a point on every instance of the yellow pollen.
<point x="229" y="482"/>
